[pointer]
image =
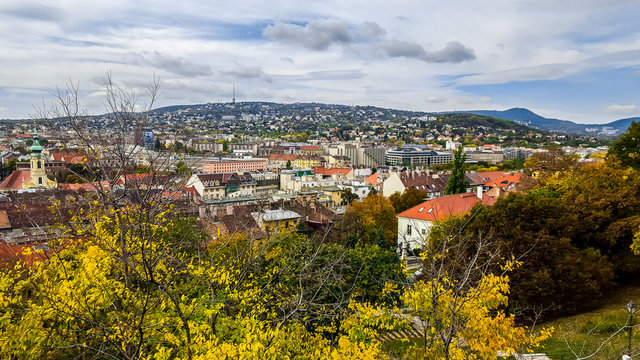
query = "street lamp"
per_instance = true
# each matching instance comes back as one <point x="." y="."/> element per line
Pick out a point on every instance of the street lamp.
<point x="631" y="308"/>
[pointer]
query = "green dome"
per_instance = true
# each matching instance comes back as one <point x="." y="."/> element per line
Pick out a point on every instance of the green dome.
<point x="36" y="148"/>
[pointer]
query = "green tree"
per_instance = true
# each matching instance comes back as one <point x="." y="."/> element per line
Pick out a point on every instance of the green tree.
<point x="408" y="199"/>
<point x="457" y="183"/>
<point x="627" y="148"/>
<point x="348" y="196"/>
<point x="182" y="168"/>
<point x="362" y="220"/>
<point x="288" y="166"/>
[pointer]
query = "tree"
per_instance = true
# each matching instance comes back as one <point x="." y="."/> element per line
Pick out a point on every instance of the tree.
<point x="627" y="148"/>
<point x="408" y="199"/>
<point x="362" y="220"/>
<point x="457" y="183"/>
<point x="460" y="299"/>
<point x="288" y="166"/>
<point x="348" y="196"/>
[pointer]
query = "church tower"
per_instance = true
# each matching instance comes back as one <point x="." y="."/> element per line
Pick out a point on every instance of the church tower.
<point x="38" y="173"/>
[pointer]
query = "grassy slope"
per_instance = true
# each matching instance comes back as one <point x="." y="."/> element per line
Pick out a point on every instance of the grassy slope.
<point x="587" y="331"/>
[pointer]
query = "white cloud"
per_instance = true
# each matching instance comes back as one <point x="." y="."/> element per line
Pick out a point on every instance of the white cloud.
<point x="336" y="51"/>
<point x="622" y="109"/>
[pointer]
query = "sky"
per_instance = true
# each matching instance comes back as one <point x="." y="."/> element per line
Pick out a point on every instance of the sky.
<point x="572" y="59"/>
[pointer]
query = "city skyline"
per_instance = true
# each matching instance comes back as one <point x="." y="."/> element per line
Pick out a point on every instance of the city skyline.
<point x="575" y="60"/>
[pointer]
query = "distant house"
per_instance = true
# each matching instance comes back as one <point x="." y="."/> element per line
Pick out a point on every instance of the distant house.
<point x="278" y="220"/>
<point x="426" y="181"/>
<point x="504" y="185"/>
<point x="215" y="186"/>
<point x="414" y="225"/>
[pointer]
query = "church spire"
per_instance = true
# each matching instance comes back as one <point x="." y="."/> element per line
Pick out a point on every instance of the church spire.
<point x="36" y="148"/>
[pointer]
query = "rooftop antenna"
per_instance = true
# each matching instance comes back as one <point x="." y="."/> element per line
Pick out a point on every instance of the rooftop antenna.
<point x="233" y="100"/>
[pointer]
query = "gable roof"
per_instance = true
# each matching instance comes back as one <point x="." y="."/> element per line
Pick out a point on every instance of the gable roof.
<point x="222" y="179"/>
<point x="16" y="179"/>
<point x="442" y="207"/>
<point x="506" y="181"/>
<point x="70" y="158"/>
<point x="423" y="181"/>
<point x="373" y="179"/>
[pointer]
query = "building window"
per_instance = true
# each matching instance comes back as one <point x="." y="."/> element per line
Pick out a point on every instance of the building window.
<point x="424" y="231"/>
<point x="39" y="179"/>
<point x="39" y="164"/>
<point x="409" y="229"/>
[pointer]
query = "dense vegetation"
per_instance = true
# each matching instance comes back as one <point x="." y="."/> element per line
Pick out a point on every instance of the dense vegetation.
<point x="573" y="232"/>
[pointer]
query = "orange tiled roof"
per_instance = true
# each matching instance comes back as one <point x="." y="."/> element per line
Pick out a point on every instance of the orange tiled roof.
<point x="326" y="172"/>
<point x="69" y="158"/>
<point x="4" y="220"/>
<point x="373" y="179"/>
<point x="16" y="179"/>
<point x="84" y="186"/>
<point x="442" y="207"/>
<point x="506" y="181"/>
<point x="282" y="157"/>
<point x="491" y="175"/>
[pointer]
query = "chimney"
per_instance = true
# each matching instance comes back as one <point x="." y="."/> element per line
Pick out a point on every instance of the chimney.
<point x="202" y="211"/>
<point x="229" y="209"/>
<point x="479" y="192"/>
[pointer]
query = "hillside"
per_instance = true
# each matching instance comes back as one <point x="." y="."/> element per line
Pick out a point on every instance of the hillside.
<point x="528" y="117"/>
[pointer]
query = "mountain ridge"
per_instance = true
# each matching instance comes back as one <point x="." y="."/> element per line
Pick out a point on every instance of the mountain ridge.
<point x="529" y="118"/>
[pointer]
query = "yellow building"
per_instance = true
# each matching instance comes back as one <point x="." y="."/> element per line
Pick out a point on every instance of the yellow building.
<point x="307" y="161"/>
<point x="275" y="221"/>
<point x="335" y="195"/>
<point x="36" y="176"/>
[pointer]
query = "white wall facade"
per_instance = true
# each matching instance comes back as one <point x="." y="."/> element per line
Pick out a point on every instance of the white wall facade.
<point x="392" y="185"/>
<point x="412" y="233"/>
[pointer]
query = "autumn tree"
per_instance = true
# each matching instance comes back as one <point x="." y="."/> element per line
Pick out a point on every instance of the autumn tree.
<point x="408" y="199"/>
<point x="627" y="148"/>
<point x="459" y="301"/>
<point x="457" y="182"/>
<point x="348" y="196"/>
<point x="362" y="220"/>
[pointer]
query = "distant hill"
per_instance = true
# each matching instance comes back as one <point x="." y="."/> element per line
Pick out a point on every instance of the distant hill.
<point x="527" y="117"/>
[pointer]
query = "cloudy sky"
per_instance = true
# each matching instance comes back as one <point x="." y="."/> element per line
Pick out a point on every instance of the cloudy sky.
<point x="571" y="59"/>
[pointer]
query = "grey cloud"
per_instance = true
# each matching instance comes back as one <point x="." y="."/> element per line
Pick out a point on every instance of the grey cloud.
<point x="316" y="35"/>
<point x="336" y="74"/>
<point x="287" y="59"/>
<point x="399" y="48"/>
<point x="35" y="12"/>
<point x="371" y="31"/>
<point x="246" y="72"/>
<point x="454" y="52"/>
<point x="175" y="64"/>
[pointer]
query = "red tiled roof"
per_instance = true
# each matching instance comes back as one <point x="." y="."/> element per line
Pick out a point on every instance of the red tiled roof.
<point x="327" y="172"/>
<point x="491" y="175"/>
<point x="84" y="186"/>
<point x="282" y="157"/>
<point x="70" y="158"/>
<point x="16" y="179"/>
<point x="373" y="179"/>
<point x="13" y="252"/>
<point x="506" y="181"/>
<point x="423" y="181"/>
<point x="4" y="220"/>
<point x="442" y="207"/>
